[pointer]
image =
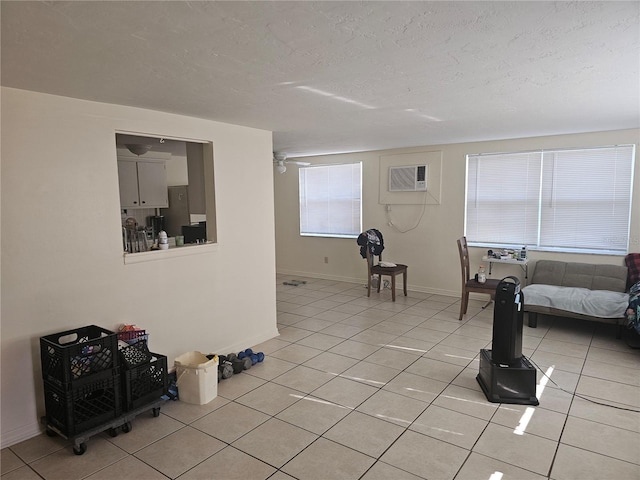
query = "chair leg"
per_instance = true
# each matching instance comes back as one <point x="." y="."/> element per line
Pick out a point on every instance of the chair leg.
<point x="488" y="302"/>
<point x="369" y="286"/>
<point x="393" y="288"/>
<point x="379" y="282"/>
<point x="464" y="303"/>
<point x="533" y="319"/>
<point x="404" y="282"/>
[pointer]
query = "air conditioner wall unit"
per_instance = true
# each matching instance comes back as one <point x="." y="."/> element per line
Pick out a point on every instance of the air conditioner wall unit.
<point x="408" y="179"/>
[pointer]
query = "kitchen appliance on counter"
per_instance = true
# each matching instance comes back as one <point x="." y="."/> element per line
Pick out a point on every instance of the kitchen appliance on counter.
<point x="163" y="241"/>
<point x="195" y="233"/>
<point x="178" y="217"/>
<point x="156" y="224"/>
<point x="177" y="214"/>
<point x="134" y="237"/>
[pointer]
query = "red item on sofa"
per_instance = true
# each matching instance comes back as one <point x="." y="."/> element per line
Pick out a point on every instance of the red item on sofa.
<point x="632" y="261"/>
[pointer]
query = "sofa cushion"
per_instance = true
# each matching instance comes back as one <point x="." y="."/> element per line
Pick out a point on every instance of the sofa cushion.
<point x="583" y="301"/>
<point x="580" y="275"/>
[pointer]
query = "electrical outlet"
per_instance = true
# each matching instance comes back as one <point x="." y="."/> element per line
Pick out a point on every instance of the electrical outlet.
<point x="326" y="259"/>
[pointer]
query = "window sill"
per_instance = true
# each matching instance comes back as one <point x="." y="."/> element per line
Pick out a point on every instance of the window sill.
<point x="532" y="248"/>
<point x="173" y="252"/>
<point x="327" y="235"/>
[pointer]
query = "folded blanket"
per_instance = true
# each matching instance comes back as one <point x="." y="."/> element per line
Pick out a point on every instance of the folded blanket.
<point x="594" y="303"/>
<point x="633" y="310"/>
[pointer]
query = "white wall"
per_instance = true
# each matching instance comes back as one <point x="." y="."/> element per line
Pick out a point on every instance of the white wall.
<point x="62" y="261"/>
<point x="430" y="249"/>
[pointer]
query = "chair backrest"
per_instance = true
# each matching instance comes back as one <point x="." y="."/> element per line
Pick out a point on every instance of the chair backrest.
<point x="463" y="250"/>
<point x="371" y="260"/>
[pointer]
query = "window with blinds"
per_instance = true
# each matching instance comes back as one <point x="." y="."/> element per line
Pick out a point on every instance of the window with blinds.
<point x="562" y="200"/>
<point x="331" y="200"/>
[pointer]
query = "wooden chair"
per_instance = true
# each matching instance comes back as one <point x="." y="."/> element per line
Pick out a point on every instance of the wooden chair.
<point x="381" y="271"/>
<point x="470" y="284"/>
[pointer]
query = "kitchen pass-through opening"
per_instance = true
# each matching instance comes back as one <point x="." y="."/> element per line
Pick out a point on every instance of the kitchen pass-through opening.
<point x="167" y="193"/>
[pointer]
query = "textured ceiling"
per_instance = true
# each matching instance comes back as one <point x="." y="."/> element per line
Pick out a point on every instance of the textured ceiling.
<point x="331" y="77"/>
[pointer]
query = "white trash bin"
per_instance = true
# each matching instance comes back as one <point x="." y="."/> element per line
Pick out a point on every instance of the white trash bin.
<point x="197" y="378"/>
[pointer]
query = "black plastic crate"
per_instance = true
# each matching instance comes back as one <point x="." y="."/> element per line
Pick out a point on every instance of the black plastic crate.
<point x="87" y="404"/>
<point x="135" y="354"/>
<point x="75" y="354"/>
<point x="145" y="383"/>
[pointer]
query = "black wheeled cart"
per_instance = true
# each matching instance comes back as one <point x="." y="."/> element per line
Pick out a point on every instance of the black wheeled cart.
<point x="96" y="380"/>
<point x="122" y="422"/>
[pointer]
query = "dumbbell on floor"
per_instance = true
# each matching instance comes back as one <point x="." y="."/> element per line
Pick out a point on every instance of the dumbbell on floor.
<point x="236" y="363"/>
<point x="211" y="356"/>
<point x="225" y="367"/>
<point x="254" y="357"/>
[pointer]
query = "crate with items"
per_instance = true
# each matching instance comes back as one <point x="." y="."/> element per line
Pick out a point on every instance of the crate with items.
<point x="133" y="349"/>
<point x="96" y="380"/>
<point x="145" y="383"/>
<point x="144" y="374"/>
<point x="86" y="404"/>
<point x="80" y="376"/>
<point x="73" y="355"/>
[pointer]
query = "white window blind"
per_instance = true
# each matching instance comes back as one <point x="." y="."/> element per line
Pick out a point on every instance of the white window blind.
<point x="565" y="200"/>
<point x="586" y="198"/>
<point x="502" y="198"/>
<point x="331" y="200"/>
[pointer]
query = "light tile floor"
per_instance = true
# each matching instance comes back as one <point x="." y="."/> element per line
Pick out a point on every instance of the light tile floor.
<point x="358" y="387"/>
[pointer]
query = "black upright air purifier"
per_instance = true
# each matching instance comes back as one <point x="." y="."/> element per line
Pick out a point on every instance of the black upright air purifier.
<point x="506" y="376"/>
<point x="507" y="322"/>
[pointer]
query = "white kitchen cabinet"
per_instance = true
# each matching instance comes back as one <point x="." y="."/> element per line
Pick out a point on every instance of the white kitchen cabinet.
<point x="143" y="183"/>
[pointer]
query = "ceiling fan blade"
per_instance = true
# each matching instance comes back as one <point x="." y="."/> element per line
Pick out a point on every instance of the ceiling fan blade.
<point x="293" y="162"/>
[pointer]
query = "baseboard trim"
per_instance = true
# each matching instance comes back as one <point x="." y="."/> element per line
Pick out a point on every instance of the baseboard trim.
<point x="254" y="340"/>
<point x="337" y="278"/>
<point x="239" y="347"/>
<point x="321" y="276"/>
<point x="20" y="434"/>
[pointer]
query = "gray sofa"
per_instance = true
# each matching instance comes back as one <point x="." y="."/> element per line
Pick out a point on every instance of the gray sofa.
<point x="577" y="290"/>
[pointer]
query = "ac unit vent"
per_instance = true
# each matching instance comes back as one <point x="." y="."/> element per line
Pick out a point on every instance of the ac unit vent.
<point x="408" y="179"/>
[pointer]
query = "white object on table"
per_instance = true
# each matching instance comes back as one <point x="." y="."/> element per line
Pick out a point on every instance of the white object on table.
<point x="523" y="263"/>
<point x="387" y="264"/>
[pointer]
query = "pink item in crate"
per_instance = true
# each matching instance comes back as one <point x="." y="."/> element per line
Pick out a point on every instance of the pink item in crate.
<point x="132" y="334"/>
<point x="133" y="346"/>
